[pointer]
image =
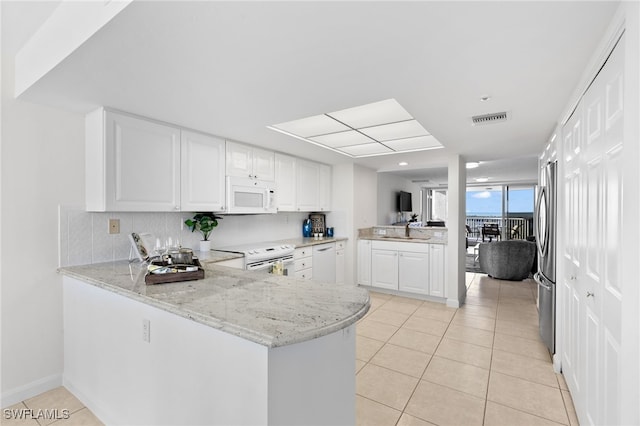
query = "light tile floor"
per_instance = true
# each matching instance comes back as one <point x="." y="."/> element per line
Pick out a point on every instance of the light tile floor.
<point x="421" y="363"/>
<point x="56" y="407"/>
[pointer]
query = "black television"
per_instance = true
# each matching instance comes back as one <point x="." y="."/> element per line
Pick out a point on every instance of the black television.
<point x="404" y="201"/>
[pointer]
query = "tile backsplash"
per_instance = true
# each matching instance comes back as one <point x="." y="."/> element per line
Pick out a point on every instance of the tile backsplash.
<point x="84" y="236"/>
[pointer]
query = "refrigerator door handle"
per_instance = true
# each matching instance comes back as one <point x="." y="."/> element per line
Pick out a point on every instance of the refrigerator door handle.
<point x="541" y="282"/>
<point x="540" y="243"/>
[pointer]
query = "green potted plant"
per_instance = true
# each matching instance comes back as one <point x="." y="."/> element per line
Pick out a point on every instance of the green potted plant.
<point x="203" y="222"/>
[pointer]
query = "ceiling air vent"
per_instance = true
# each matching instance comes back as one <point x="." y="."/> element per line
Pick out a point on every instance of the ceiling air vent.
<point x="496" y="117"/>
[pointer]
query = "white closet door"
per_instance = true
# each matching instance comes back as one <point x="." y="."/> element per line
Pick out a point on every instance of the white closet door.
<point x="591" y="284"/>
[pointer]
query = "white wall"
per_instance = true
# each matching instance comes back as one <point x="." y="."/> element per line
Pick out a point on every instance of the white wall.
<point x="42" y="165"/>
<point x="456" y="198"/>
<point x="388" y="187"/>
<point x="353" y="206"/>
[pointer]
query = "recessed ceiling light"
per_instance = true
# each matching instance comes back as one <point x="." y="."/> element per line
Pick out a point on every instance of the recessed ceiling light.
<point x="482" y="179"/>
<point x="403" y="163"/>
<point x="472" y="164"/>
<point x="484" y="98"/>
<point x="378" y="128"/>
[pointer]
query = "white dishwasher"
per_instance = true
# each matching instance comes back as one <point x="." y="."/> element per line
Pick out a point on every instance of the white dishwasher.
<point x="324" y="262"/>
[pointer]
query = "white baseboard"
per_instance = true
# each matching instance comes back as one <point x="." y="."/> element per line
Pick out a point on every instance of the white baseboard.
<point x="90" y="403"/>
<point x="14" y="396"/>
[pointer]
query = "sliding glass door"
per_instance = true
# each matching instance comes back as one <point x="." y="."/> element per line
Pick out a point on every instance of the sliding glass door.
<point x="510" y="207"/>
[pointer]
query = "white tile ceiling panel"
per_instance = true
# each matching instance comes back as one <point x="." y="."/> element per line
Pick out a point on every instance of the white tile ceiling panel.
<point x="409" y="144"/>
<point x="401" y="130"/>
<point x="383" y="112"/>
<point x="336" y="140"/>
<point x="367" y="149"/>
<point x="312" y="126"/>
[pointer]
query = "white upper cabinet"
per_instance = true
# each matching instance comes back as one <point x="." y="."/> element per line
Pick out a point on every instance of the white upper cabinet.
<point x="308" y="184"/>
<point x="131" y="164"/>
<point x="286" y="182"/>
<point x="303" y="185"/>
<point x="324" y="188"/>
<point x="251" y="162"/>
<point x="202" y="172"/>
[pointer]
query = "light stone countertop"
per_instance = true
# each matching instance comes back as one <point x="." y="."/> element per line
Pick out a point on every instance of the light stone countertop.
<point x="266" y="309"/>
<point x="307" y="241"/>
<point x="404" y="239"/>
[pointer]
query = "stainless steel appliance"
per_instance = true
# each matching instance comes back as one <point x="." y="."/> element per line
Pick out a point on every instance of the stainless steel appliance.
<point x="250" y="196"/>
<point x="263" y="256"/>
<point x="545" y="229"/>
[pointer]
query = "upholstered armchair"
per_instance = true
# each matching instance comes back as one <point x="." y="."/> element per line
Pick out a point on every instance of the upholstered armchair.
<point x="507" y="260"/>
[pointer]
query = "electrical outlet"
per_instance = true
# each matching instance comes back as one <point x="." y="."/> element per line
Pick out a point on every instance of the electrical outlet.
<point x="146" y="330"/>
<point x="114" y="226"/>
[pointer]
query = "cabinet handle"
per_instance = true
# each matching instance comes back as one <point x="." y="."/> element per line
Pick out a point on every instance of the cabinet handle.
<point x="572" y="278"/>
<point x="589" y="294"/>
<point x="177" y="207"/>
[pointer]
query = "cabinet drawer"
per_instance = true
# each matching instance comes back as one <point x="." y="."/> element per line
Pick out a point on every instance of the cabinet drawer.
<point x="305" y="263"/>
<point x="305" y="274"/>
<point x="302" y="252"/>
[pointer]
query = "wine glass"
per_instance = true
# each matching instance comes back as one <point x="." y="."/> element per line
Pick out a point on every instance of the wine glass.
<point x="160" y="247"/>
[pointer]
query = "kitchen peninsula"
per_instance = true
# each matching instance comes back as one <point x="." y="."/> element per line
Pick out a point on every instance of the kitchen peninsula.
<point x="233" y="348"/>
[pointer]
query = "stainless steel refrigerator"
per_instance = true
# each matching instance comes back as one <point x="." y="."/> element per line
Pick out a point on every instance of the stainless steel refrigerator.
<point x="545" y="229"/>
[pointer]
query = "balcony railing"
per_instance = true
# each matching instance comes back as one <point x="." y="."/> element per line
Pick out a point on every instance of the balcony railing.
<point x="522" y="227"/>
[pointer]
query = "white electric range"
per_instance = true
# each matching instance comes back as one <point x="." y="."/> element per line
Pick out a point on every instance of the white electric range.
<point x="262" y="256"/>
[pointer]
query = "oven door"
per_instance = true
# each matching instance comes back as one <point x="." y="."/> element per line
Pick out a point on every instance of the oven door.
<point x="267" y="265"/>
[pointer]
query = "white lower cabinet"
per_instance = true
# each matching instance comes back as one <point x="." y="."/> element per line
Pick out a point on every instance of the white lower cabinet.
<point x="303" y="261"/>
<point x="417" y="268"/>
<point x="436" y="269"/>
<point x="340" y="261"/>
<point x="364" y="262"/>
<point x="384" y="271"/>
<point x="413" y="269"/>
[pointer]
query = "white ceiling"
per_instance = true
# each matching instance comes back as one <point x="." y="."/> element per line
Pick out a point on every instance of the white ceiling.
<point x="233" y="68"/>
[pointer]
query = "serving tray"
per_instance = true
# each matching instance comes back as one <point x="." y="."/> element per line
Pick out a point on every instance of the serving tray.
<point x="172" y="277"/>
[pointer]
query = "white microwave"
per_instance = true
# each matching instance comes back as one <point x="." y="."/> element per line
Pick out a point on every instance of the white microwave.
<point x="250" y="196"/>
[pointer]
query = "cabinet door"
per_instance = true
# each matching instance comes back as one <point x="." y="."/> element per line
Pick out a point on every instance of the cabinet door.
<point x="264" y="167"/>
<point x="286" y="182"/>
<point x="436" y="270"/>
<point x="324" y="188"/>
<point x="364" y="262"/>
<point x="239" y="160"/>
<point x="142" y="164"/>
<point x="340" y="265"/>
<point x="413" y="270"/>
<point x="308" y="185"/>
<point x="203" y="171"/>
<point x="384" y="270"/>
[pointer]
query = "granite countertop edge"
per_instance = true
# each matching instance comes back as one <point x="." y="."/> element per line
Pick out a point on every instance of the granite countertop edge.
<point x="248" y="333"/>
<point x="405" y="240"/>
